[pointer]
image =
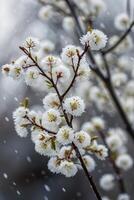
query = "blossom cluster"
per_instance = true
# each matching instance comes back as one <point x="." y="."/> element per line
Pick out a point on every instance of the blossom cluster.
<point x="52" y="131"/>
<point x="71" y="89"/>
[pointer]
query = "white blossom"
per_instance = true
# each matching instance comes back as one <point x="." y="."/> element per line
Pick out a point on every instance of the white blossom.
<point x="61" y="74"/>
<point x="74" y="106"/>
<point x="32" y="42"/>
<point x="31" y="76"/>
<point x="50" y="62"/>
<point x="107" y="182"/>
<point x="53" y="165"/>
<point x="47" y="46"/>
<point x="65" y="135"/>
<point x="46" y="145"/>
<point x="114" y="142"/>
<point x="96" y="39"/>
<point x="124" y="196"/>
<point x="82" y="139"/>
<point x="46" y="12"/>
<point x="122" y="21"/>
<point x="89" y="162"/>
<point x="51" y="118"/>
<point x="102" y="152"/>
<point x="67" y="152"/>
<point x="98" y="123"/>
<point x="69" y="54"/>
<point x="124" y="161"/>
<point x="51" y="101"/>
<point x="88" y="127"/>
<point x="21" y="130"/>
<point x="119" y="79"/>
<point x="68" y="168"/>
<point x="68" y="23"/>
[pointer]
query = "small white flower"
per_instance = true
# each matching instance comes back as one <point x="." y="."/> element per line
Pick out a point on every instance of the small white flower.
<point x="46" y="145"/>
<point x="88" y="127"/>
<point x="96" y="39"/>
<point x="119" y="78"/>
<point x="68" y="23"/>
<point x="82" y="139"/>
<point x="89" y="162"/>
<point x="21" y="130"/>
<point x="50" y="62"/>
<point x="66" y="152"/>
<point x="51" y="118"/>
<point x="53" y="165"/>
<point x="98" y="123"/>
<point x="124" y="196"/>
<point x="23" y="61"/>
<point x="122" y="21"/>
<point x="119" y="132"/>
<point x="16" y="71"/>
<point x="47" y="46"/>
<point x="74" y="106"/>
<point x="102" y="152"/>
<point x="65" y="135"/>
<point x="20" y="112"/>
<point x="51" y="101"/>
<point x="107" y="182"/>
<point x="20" y="121"/>
<point x="46" y="12"/>
<point x="61" y="73"/>
<point x="124" y="161"/>
<point x="130" y="88"/>
<point x="69" y="54"/>
<point x="96" y="7"/>
<point x="35" y="134"/>
<point x="13" y="70"/>
<point x="32" y="42"/>
<point x="68" y="168"/>
<point x="124" y="63"/>
<point x="6" y="69"/>
<point x="31" y="76"/>
<point x="114" y="142"/>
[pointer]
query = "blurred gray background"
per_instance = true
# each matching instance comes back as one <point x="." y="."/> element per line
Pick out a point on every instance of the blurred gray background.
<point x="23" y="172"/>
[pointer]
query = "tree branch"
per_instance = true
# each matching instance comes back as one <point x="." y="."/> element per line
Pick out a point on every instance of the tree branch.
<point x="104" y="52"/>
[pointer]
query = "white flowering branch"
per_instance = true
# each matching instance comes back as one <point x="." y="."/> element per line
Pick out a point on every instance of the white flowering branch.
<point x="53" y="131"/>
<point x="107" y="79"/>
<point x="69" y="123"/>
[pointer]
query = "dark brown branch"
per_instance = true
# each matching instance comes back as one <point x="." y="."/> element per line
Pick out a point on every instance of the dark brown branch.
<point x="88" y="175"/>
<point x="75" y="74"/>
<point x="39" y="126"/>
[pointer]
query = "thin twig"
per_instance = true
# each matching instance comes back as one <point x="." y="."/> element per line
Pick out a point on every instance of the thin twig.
<point x="39" y="126"/>
<point x="120" y="40"/>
